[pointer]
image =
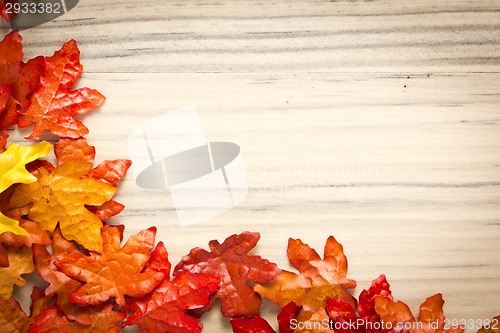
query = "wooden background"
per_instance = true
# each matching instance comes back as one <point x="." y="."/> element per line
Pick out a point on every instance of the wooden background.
<point x="377" y="122"/>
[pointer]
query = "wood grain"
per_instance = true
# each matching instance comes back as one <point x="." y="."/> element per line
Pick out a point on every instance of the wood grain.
<point x="279" y="36"/>
<point x="375" y="121"/>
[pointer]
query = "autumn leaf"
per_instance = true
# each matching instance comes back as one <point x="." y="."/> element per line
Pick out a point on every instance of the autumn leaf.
<point x="287" y="321"/>
<point x="18" y="79"/>
<point x="12" y="317"/>
<point x="4" y="96"/>
<point x="72" y="150"/>
<point x="59" y="283"/>
<point x="53" y="104"/>
<point x="231" y="262"/>
<point x="164" y="309"/>
<point x="14" y="159"/>
<point x="287" y="317"/>
<point x="345" y="317"/>
<point x="430" y="320"/>
<point x="493" y="326"/>
<point x="20" y="262"/>
<point x="251" y="325"/>
<point x="12" y="170"/>
<point x="318" y="280"/>
<point x="104" y="319"/>
<point x="114" y="273"/>
<point x="36" y="234"/>
<point x="61" y="196"/>
<point x="3" y="141"/>
<point x="110" y="171"/>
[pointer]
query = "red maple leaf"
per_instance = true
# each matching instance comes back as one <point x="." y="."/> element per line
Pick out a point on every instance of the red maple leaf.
<point x="53" y="104"/>
<point x="18" y="80"/>
<point x="251" y="325"/>
<point x="36" y="234"/>
<point x="12" y="317"/>
<point x="60" y="284"/>
<point x="287" y="319"/>
<point x="114" y="273"/>
<point x="164" y="309"/>
<point x="103" y="319"/>
<point x="345" y="318"/>
<point x="68" y="149"/>
<point x="318" y="280"/>
<point x="231" y="262"/>
<point x="378" y="313"/>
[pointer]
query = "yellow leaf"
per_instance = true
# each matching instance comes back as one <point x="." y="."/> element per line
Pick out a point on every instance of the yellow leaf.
<point x="12" y="171"/>
<point x="61" y="197"/>
<point x="20" y="262"/>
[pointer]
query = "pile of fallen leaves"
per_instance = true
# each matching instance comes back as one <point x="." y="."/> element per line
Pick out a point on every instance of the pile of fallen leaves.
<point x="52" y="223"/>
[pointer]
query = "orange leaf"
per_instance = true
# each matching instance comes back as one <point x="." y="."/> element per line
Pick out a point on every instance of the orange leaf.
<point x="111" y="171"/>
<point x="164" y="309"/>
<point x="61" y="197"/>
<point x="20" y="79"/>
<point x="20" y="262"/>
<point x="53" y="104"/>
<point x="59" y="283"/>
<point x="12" y="317"/>
<point x="104" y="319"/>
<point x="68" y="149"/>
<point x="114" y="273"/>
<point x="430" y="320"/>
<point x="318" y="280"/>
<point x="231" y="262"/>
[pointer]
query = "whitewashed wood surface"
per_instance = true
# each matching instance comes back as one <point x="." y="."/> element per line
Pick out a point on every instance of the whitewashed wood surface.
<point x="377" y="122"/>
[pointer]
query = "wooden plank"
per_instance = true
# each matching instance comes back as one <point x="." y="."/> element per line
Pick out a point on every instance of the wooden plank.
<point x="283" y="36"/>
<point x="404" y="171"/>
<point x="375" y="121"/>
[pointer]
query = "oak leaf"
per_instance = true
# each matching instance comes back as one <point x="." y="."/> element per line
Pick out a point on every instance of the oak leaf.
<point x="20" y="262"/>
<point x="231" y="262"/>
<point x="319" y="279"/>
<point x="114" y="273"/>
<point x="53" y="104"/>
<point x="61" y="196"/>
<point x="12" y="170"/>
<point x="164" y="309"/>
